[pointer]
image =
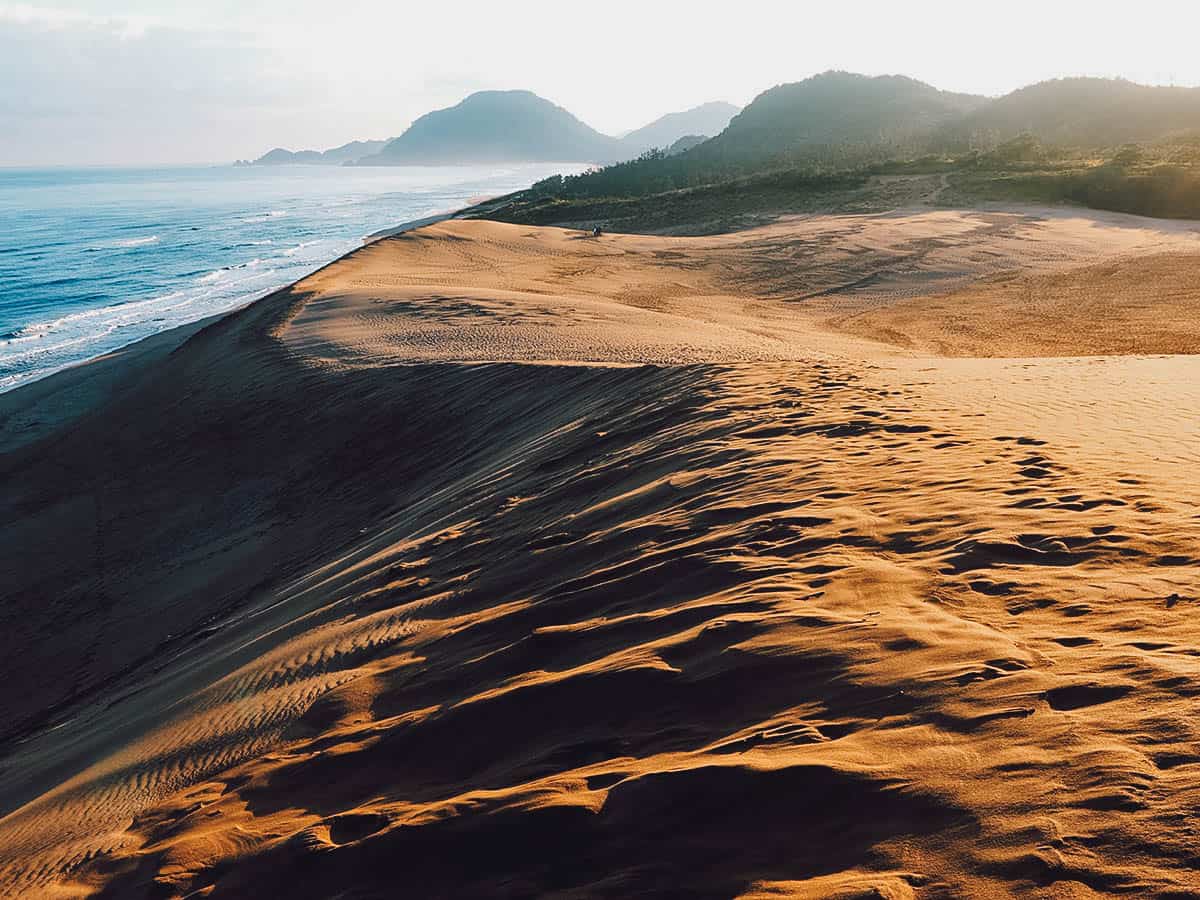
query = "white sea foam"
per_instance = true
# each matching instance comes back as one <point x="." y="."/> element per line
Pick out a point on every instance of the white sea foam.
<point x="124" y="244"/>
<point x="292" y="251"/>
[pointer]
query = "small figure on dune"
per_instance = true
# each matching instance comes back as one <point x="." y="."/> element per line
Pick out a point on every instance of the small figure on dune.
<point x="596" y="231"/>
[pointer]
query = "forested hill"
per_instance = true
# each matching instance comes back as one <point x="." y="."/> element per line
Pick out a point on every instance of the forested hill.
<point x="837" y="109"/>
<point x="1081" y="112"/>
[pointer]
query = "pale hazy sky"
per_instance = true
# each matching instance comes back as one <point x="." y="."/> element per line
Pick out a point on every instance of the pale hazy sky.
<point x="150" y="81"/>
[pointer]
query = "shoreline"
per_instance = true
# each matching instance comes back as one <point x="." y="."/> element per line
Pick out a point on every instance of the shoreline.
<point x="410" y="226"/>
<point x="124" y="348"/>
<point x="34" y="408"/>
<point x="89" y="293"/>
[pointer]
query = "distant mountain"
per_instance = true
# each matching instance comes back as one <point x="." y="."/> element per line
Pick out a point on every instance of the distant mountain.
<point x="837" y="108"/>
<point x="840" y="116"/>
<point x="347" y="153"/>
<point x="353" y="151"/>
<point x="1084" y="112"/>
<point x="686" y="143"/>
<point x="498" y="126"/>
<point x="707" y="119"/>
<point x="281" y="157"/>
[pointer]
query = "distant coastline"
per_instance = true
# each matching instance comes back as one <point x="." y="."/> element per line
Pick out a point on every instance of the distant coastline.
<point x="159" y="260"/>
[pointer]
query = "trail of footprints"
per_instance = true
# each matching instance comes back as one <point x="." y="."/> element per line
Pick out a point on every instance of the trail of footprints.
<point x="804" y="541"/>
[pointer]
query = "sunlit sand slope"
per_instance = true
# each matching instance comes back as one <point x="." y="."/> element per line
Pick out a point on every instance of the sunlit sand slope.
<point x="345" y="597"/>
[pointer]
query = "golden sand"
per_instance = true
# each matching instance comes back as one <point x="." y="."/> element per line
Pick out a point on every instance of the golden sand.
<point x="763" y="581"/>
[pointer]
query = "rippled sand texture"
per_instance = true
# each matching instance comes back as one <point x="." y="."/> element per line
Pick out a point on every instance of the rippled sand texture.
<point x="315" y="608"/>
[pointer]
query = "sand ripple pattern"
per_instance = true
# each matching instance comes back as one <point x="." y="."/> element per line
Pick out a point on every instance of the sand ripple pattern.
<point x="811" y="626"/>
<point x="755" y="585"/>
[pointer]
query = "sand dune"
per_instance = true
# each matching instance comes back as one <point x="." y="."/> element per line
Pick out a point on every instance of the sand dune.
<point x="1125" y="306"/>
<point x="496" y="561"/>
<point x="802" y="288"/>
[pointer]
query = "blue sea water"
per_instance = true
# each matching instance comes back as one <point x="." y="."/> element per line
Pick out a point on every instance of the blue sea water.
<point x="94" y="259"/>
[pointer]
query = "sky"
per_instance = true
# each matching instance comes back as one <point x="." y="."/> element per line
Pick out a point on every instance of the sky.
<point x="142" y="82"/>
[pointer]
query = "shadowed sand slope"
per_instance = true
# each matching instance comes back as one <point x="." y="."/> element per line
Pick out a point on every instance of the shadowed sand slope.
<point x="343" y="597"/>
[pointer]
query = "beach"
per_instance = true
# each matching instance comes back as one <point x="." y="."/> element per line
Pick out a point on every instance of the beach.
<point x="95" y="259"/>
<point x="842" y="556"/>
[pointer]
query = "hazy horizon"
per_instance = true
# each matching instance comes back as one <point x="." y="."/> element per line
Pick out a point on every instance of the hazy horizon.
<point x="88" y="82"/>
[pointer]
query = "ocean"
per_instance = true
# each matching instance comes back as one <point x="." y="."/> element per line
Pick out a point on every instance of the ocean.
<point x="94" y="259"/>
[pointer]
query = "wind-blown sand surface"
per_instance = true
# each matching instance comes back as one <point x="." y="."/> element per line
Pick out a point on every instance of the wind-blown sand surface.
<point x="499" y="561"/>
